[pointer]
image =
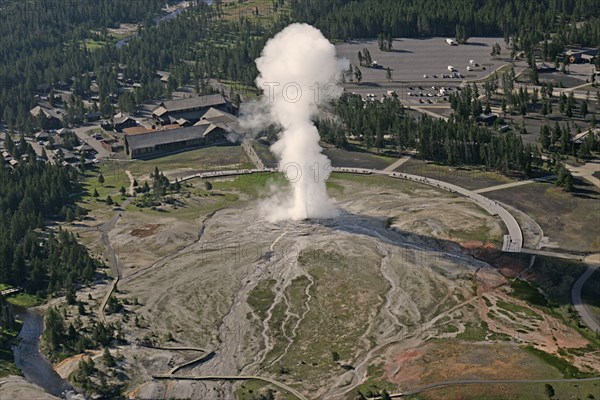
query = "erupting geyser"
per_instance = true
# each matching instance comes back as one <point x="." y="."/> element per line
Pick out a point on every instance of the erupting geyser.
<point x="298" y="73"/>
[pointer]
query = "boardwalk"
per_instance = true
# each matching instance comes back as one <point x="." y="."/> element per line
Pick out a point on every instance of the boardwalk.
<point x="513" y="242"/>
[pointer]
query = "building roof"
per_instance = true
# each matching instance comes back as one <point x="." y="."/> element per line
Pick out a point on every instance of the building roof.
<point x="212" y="119"/>
<point x="84" y="147"/>
<point x="581" y="136"/>
<point x="139" y="130"/>
<point x="121" y="118"/>
<point x="158" y="137"/>
<point x="136" y="130"/>
<point x="190" y="103"/>
<point x="48" y="112"/>
<point x="545" y="66"/>
<point x="41" y="135"/>
<point x="164" y="75"/>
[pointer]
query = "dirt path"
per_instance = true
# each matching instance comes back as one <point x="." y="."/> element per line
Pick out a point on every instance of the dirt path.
<point x="112" y="255"/>
<point x="514" y="184"/>
<point x="397" y="164"/>
<point x="131" y="180"/>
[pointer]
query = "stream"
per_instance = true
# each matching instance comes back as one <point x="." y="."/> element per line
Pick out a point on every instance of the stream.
<point x="36" y="368"/>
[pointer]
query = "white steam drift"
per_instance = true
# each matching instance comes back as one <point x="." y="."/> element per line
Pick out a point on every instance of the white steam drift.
<point x="298" y="71"/>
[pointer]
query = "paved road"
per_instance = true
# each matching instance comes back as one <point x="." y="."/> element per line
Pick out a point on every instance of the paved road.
<point x="588" y="317"/>
<point x="514" y="184"/>
<point x="555" y="254"/>
<point x="557" y="92"/>
<point x="81" y="132"/>
<point x="423" y="110"/>
<point x="587" y="171"/>
<point x="38" y="148"/>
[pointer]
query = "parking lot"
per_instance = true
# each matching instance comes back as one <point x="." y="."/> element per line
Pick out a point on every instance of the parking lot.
<point x="420" y="67"/>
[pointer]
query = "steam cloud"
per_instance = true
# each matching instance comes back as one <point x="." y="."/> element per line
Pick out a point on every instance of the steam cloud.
<point x="298" y="70"/>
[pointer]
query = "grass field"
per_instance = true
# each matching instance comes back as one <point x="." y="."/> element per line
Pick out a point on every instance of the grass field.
<point x="261" y="297"/>
<point x="184" y="163"/>
<point x="92" y="44"/>
<point x="254" y="185"/>
<point x="375" y="382"/>
<point x="336" y="182"/>
<point x="468" y="178"/>
<point x="451" y="360"/>
<point x="563" y="216"/>
<point x="252" y="390"/>
<point x="336" y="320"/>
<point x="235" y="9"/>
<point x="114" y="177"/>
<point x="357" y="159"/>
<point x="25" y="300"/>
<point x="591" y="293"/>
<point x="523" y="391"/>
<point x="265" y="154"/>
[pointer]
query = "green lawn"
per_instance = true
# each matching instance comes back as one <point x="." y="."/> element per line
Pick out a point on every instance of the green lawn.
<point x="480" y="233"/>
<point x="92" y="44"/>
<point x="469" y="178"/>
<point x="375" y="382"/>
<point x="261" y="297"/>
<point x="521" y="391"/>
<point x="25" y="300"/>
<point x="203" y="159"/>
<point x="517" y="309"/>
<point x="114" y="177"/>
<point x="254" y="185"/>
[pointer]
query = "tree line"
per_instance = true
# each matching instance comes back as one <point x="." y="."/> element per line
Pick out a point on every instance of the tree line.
<point x="40" y="261"/>
<point x="41" y="45"/>
<point x="457" y="141"/>
<point x="528" y="19"/>
<point x="194" y="47"/>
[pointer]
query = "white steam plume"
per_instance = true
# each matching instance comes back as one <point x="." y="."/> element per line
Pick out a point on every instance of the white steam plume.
<point x="298" y="73"/>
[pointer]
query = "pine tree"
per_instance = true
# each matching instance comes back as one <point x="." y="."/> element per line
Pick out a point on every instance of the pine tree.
<point x="71" y="299"/>
<point x="108" y="358"/>
<point x="545" y="137"/>
<point x="55" y="329"/>
<point x="584" y="109"/>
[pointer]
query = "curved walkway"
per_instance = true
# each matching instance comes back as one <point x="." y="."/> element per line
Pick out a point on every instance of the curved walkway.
<point x="513" y="242"/>
<point x="234" y="378"/>
<point x="587" y="316"/>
